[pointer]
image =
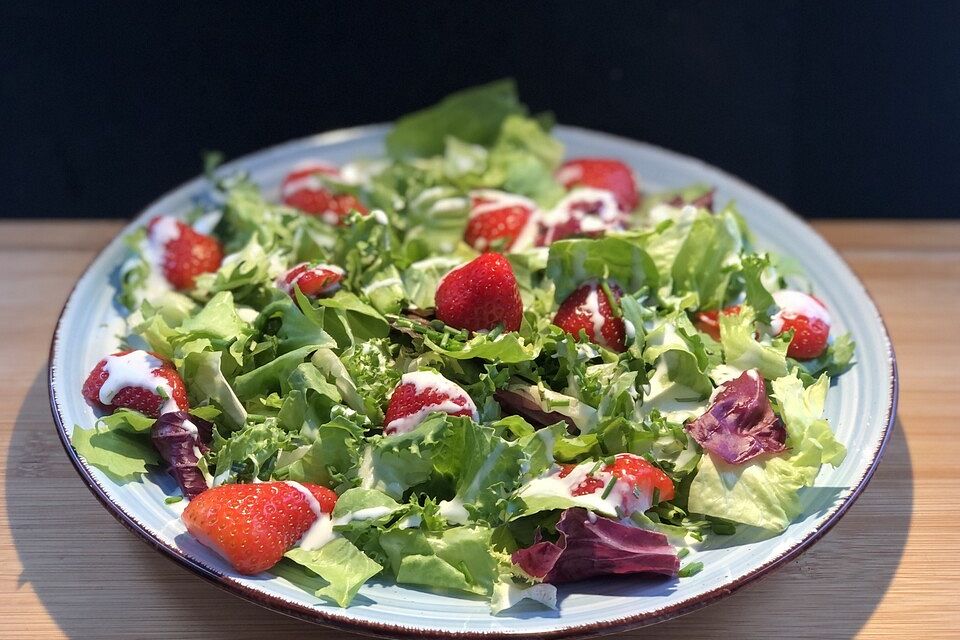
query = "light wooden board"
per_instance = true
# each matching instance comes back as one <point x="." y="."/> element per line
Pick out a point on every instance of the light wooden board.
<point x="889" y="569"/>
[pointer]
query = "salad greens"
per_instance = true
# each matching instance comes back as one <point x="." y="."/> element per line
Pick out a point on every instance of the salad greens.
<point x="297" y="387"/>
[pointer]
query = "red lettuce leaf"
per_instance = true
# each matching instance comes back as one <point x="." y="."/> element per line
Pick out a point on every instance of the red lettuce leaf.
<point x="740" y="424"/>
<point x="179" y="444"/>
<point x="592" y="546"/>
<point x="517" y="404"/>
<point x="704" y="201"/>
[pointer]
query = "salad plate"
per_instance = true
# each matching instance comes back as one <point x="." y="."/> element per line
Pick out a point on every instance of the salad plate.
<point x="860" y="407"/>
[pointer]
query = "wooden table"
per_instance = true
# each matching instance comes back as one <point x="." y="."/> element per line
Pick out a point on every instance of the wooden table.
<point x="890" y="568"/>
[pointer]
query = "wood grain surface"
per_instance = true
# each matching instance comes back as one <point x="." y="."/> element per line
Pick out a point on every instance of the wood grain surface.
<point x="889" y="569"/>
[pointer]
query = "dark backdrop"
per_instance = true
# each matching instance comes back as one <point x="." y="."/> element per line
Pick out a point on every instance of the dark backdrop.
<point x="845" y="109"/>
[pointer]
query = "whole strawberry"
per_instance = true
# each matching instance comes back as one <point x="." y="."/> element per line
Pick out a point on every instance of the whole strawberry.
<point x="589" y="309"/>
<point x="480" y="295"/>
<point x="602" y="173"/>
<point x="184" y="253"/>
<point x="253" y="525"/>
<point x="137" y="380"/>
<point x="421" y="393"/>
<point x="498" y="218"/>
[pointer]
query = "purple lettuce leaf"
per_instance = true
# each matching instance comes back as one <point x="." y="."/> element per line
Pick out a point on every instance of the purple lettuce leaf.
<point x="179" y="436"/>
<point x="518" y="404"/>
<point x="704" y="201"/>
<point x="592" y="546"/>
<point x="740" y="424"/>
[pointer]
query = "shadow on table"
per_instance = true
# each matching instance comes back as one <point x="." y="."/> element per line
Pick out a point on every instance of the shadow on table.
<point x="95" y="579"/>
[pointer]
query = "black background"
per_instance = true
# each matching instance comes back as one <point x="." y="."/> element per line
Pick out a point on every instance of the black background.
<point x="847" y="109"/>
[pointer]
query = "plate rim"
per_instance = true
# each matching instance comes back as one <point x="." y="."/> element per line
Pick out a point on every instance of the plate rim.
<point x="331" y="618"/>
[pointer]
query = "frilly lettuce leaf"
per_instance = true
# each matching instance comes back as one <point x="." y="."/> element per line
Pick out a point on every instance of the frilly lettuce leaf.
<point x="742" y="351"/>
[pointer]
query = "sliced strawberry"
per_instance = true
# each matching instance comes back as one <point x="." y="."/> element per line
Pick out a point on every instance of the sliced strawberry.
<point x="137" y="380"/>
<point x="185" y="253"/>
<point x="809" y="319"/>
<point x="636" y="482"/>
<point x="588" y="309"/>
<point x="421" y="393"/>
<point x="253" y="525"/>
<point x="314" y="280"/>
<point x="480" y="295"/>
<point x="709" y="321"/>
<point x="602" y="173"/>
<point x="302" y="190"/>
<point x="498" y="218"/>
<point x="583" y="212"/>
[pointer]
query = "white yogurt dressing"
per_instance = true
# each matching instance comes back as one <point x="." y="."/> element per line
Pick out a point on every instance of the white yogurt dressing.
<point x="592" y="306"/>
<point x="136" y="369"/>
<point x="322" y="530"/>
<point x="496" y="200"/>
<point x="620" y="497"/>
<point x="795" y="303"/>
<point x="424" y="381"/>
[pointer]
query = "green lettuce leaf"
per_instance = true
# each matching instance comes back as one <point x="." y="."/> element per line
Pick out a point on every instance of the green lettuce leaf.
<point x="742" y="351"/>
<point x="459" y="559"/>
<point x="473" y="115"/>
<point x="344" y="567"/>
<point x="122" y="455"/>
<point x="573" y="262"/>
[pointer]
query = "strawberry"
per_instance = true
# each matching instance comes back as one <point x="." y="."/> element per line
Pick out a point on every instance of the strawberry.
<point x="253" y="525"/>
<point x="137" y="380"/>
<point x="709" y="321"/>
<point x="602" y="173"/>
<point x="809" y="319"/>
<point x="302" y="190"/>
<point x="480" y="295"/>
<point x="421" y="393"/>
<point x="583" y="212"/>
<point x="588" y="309"/>
<point x="185" y="252"/>
<point x="498" y="218"/>
<point x="314" y="280"/>
<point x="636" y="481"/>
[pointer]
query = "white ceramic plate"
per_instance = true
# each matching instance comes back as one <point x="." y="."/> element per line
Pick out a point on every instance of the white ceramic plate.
<point x="861" y="407"/>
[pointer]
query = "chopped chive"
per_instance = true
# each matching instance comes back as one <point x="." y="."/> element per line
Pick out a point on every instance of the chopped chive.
<point x="613" y="302"/>
<point x="596" y="467"/>
<point x="683" y="553"/>
<point x="608" y="488"/>
<point x="656" y="495"/>
<point x="494" y="333"/>
<point x="691" y="569"/>
<point x="609" y="460"/>
<point x="173" y="499"/>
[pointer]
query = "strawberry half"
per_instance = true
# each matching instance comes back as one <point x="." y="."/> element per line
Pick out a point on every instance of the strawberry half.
<point x="253" y="525"/>
<point x="583" y="212"/>
<point x="498" y="218"/>
<point x="602" y="173"/>
<point x="137" y="380"/>
<point x="809" y="319"/>
<point x="588" y="309"/>
<point x="302" y="190"/>
<point x="636" y="481"/>
<point x="480" y="295"/>
<point x="185" y="253"/>
<point x="421" y="393"/>
<point x="709" y="321"/>
<point x="314" y="280"/>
